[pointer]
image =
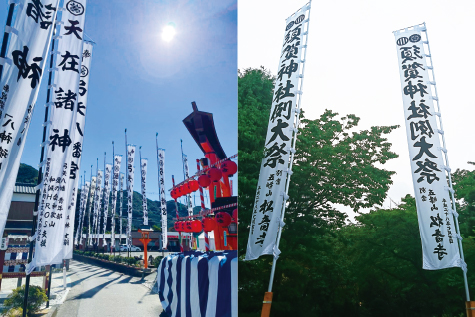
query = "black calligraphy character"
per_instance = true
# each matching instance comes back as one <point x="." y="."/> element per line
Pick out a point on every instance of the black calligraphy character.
<point x="293" y="35"/>
<point x="424" y="148"/>
<point x="287" y="70"/>
<point x="274" y="155"/>
<point x="9" y="121"/>
<point x="284" y="92"/>
<point x="278" y="131"/>
<point x="71" y="65"/>
<point x="74" y="168"/>
<point x="77" y="150"/>
<point x="411" y="89"/>
<point x="61" y="141"/>
<point x="3" y="152"/>
<point x="66" y="101"/>
<point x="79" y="129"/>
<point x="427" y="169"/>
<point x="409" y="55"/>
<point x="411" y="72"/>
<point x="266" y="207"/>
<point x="82" y="88"/>
<point x="282" y="107"/>
<point x="439" y="237"/>
<point x="436" y="221"/>
<point x="73" y="28"/>
<point x="421" y="111"/>
<point x="19" y="59"/>
<point x="34" y="10"/>
<point x="261" y="238"/>
<point x="423" y="126"/>
<point x="86" y="54"/>
<point x="264" y="224"/>
<point x="5" y="137"/>
<point x="440" y="250"/>
<point x="291" y="51"/>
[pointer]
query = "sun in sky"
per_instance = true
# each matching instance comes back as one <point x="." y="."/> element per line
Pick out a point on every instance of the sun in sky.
<point x="168" y="32"/>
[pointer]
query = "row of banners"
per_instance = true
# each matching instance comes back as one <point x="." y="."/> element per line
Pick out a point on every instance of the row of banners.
<point x="37" y="24"/>
<point x="437" y="218"/>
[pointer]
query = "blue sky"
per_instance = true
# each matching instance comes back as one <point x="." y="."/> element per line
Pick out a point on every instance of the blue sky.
<point x="144" y="84"/>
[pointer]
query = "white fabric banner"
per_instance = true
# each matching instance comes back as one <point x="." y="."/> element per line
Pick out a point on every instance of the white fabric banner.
<point x="56" y="188"/>
<point x="78" y="137"/>
<point x="107" y="178"/>
<point x="130" y="190"/>
<point x="268" y="203"/>
<point x="115" y="185"/>
<point x="97" y="205"/>
<point x="121" y="200"/>
<point x="143" y="180"/>
<point x="91" y="202"/>
<point x="163" y="198"/>
<point x="434" y="211"/>
<point x="82" y="211"/>
<point x="23" y="69"/>
<point x="188" y="196"/>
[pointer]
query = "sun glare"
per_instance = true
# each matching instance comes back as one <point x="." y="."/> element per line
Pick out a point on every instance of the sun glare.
<point x="168" y="33"/>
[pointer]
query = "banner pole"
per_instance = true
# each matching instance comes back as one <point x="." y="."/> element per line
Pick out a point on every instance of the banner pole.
<point x="126" y="180"/>
<point x="40" y="172"/>
<point x="6" y="35"/>
<point x="113" y="216"/>
<point x="104" y="219"/>
<point x="267" y="302"/>
<point x="177" y="216"/>
<point x="451" y="190"/>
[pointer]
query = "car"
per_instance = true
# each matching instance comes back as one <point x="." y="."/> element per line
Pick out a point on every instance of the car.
<point x="124" y="248"/>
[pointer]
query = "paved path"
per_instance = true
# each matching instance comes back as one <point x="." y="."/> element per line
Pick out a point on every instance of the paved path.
<point x="100" y="292"/>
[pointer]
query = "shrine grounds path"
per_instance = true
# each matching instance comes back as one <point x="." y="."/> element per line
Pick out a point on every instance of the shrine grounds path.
<point x="100" y="292"/>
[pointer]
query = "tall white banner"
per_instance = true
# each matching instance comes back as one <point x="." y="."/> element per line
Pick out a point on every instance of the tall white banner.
<point x="163" y="198"/>
<point x="91" y="203"/>
<point x="434" y="211"/>
<point x="130" y="190"/>
<point x="270" y="192"/>
<point x="53" y="213"/>
<point x="143" y="180"/>
<point x="121" y="200"/>
<point x="115" y="185"/>
<point x="97" y="205"/>
<point x="188" y="196"/>
<point x="107" y="178"/>
<point x="79" y="136"/>
<point x="23" y="69"/>
<point x="82" y="211"/>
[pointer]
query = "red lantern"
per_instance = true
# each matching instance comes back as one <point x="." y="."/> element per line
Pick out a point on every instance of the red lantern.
<point x="194" y="185"/>
<point x="223" y="219"/>
<point x="235" y="216"/>
<point x="196" y="226"/>
<point x="174" y="193"/>
<point x="215" y="174"/>
<point x="229" y="168"/>
<point x="189" y="190"/>
<point x="179" y="192"/>
<point x="182" y="226"/>
<point x="188" y="227"/>
<point x="209" y="224"/>
<point x="184" y="189"/>
<point x="204" y="180"/>
<point x="177" y="226"/>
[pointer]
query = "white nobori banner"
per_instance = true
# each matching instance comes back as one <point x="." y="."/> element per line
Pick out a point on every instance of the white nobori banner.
<point x="91" y="203"/>
<point x="121" y="201"/>
<point x="82" y="211"/>
<point x="115" y="186"/>
<point x="434" y="212"/>
<point x="268" y="203"/>
<point x="130" y="190"/>
<point x="97" y="206"/>
<point x="107" y="178"/>
<point x="143" y="183"/>
<point x="163" y="198"/>
<point x="23" y="70"/>
<point x="78" y="137"/>
<point x="53" y="216"/>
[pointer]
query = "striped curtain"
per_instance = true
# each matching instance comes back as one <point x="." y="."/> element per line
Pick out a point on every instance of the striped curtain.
<point x="199" y="284"/>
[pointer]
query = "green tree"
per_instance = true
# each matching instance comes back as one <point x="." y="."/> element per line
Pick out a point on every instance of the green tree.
<point x="332" y="165"/>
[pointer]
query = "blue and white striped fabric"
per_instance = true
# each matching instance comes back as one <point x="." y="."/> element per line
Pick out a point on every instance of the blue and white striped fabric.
<point x="199" y="284"/>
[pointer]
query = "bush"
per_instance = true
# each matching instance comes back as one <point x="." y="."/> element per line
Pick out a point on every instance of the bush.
<point x="131" y="261"/>
<point x="36" y="297"/>
<point x="14" y="312"/>
<point x="157" y="260"/>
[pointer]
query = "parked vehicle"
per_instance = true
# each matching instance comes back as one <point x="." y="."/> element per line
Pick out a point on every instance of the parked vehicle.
<point x="123" y="247"/>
